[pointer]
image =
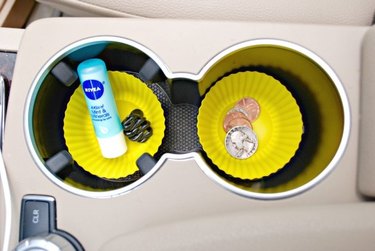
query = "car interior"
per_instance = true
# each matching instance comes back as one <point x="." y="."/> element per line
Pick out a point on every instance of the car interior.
<point x="187" y="125"/>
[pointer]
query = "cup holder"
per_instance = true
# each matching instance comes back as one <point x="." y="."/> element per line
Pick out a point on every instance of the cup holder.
<point x="59" y="130"/>
<point x="320" y="117"/>
<point x="322" y="103"/>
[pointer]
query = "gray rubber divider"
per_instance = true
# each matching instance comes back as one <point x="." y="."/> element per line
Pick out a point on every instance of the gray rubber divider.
<point x="181" y="123"/>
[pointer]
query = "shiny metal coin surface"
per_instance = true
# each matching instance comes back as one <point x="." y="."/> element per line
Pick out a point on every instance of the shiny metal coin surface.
<point x="241" y="142"/>
<point x="250" y="107"/>
<point x="235" y="118"/>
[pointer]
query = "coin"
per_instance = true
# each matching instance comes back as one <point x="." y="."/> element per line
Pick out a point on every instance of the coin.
<point x="232" y="118"/>
<point x="240" y="110"/>
<point x="241" y="142"/>
<point x="250" y="106"/>
<point x="237" y="122"/>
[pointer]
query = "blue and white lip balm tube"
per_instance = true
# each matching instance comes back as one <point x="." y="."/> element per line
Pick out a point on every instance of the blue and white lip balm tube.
<point x="102" y="107"/>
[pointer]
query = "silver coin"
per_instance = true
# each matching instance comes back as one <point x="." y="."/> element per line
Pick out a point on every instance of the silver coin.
<point x="241" y="142"/>
<point x="240" y="110"/>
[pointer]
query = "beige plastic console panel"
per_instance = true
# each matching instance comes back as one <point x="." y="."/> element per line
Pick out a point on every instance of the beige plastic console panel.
<point x="366" y="176"/>
<point x="10" y="39"/>
<point x="349" y="12"/>
<point x="179" y="207"/>
<point x="9" y="42"/>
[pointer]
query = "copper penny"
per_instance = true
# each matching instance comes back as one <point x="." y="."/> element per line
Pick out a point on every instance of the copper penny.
<point x="237" y="122"/>
<point x="231" y="115"/>
<point x="250" y="106"/>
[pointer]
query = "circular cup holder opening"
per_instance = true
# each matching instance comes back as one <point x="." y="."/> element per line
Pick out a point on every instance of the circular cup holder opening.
<point x="322" y="104"/>
<point x="53" y="135"/>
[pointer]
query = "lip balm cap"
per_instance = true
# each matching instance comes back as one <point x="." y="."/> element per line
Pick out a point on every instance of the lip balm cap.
<point x="113" y="147"/>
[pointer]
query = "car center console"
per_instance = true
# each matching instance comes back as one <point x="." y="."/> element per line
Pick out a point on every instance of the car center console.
<point x="183" y="194"/>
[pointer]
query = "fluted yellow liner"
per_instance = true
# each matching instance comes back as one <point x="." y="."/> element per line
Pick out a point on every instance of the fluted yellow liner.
<point x="130" y="93"/>
<point x="279" y="127"/>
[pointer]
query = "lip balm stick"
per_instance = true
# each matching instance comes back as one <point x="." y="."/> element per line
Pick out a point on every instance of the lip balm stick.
<point x="102" y="107"/>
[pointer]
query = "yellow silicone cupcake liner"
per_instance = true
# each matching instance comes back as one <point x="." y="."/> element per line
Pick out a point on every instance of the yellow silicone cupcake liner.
<point x="279" y="127"/>
<point x="130" y="93"/>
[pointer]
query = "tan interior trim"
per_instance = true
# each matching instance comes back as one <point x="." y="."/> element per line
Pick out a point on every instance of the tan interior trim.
<point x="15" y="13"/>
<point x="366" y="171"/>
<point x="10" y="39"/>
<point x="335" y="12"/>
<point x="82" y="9"/>
<point x="1" y="4"/>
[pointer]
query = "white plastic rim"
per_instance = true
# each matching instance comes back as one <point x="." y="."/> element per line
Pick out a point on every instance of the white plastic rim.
<point x="196" y="156"/>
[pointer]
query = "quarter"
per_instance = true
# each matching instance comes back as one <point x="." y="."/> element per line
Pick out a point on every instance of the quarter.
<point x="241" y="142"/>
